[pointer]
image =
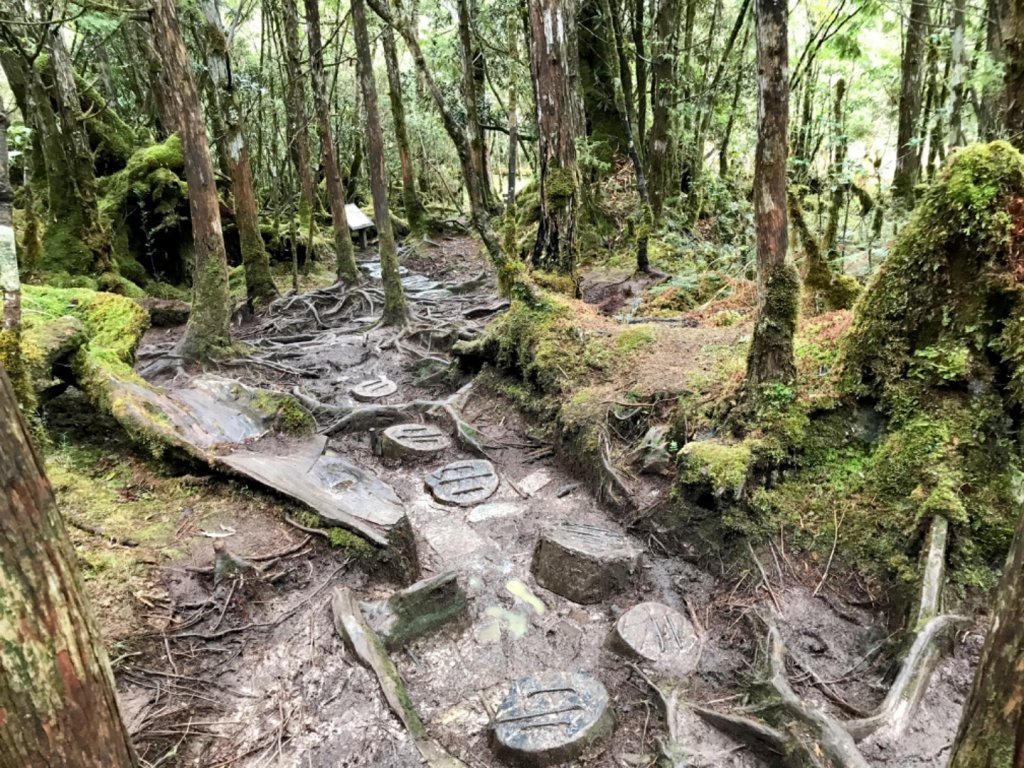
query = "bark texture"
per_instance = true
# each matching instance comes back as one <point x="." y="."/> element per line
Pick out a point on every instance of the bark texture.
<point x="58" y="708"/>
<point x="559" y="123"/>
<point x="908" y="159"/>
<point x="259" y="285"/>
<point x="663" y="89"/>
<point x="1012" y="36"/>
<point x="208" y="327"/>
<point x="395" y="308"/>
<point x="10" y="284"/>
<point x="770" y="358"/>
<point x="297" y="118"/>
<point x="348" y="272"/>
<point x="992" y="726"/>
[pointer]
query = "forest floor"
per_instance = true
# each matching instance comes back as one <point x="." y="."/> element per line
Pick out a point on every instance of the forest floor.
<point x="251" y="671"/>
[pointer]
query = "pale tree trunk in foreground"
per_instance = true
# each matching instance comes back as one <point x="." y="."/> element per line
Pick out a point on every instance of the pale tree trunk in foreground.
<point x="208" y="327"/>
<point x="10" y="283"/>
<point x="58" y="708"/>
<point x="395" y="309"/>
<point x="348" y="272"/>
<point x="770" y="358"/>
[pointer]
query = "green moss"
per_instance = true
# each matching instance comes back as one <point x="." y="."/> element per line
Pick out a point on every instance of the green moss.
<point x="286" y="412"/>
<point x="634" y="338"/>
<point x="722" y="467"/>
<point x="560" y="186"/>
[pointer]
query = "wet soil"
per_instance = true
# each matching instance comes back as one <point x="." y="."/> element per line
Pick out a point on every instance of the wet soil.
<point x="250" y="671"/>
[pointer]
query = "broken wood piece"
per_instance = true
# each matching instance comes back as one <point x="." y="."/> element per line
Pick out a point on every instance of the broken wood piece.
<point x="227" y="563"/>
<point x="368" y="648"/>
<point x="418" y="610"/>
<point x="763" y="739"/>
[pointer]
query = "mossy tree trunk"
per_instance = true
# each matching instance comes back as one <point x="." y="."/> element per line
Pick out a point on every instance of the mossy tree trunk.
<point x="597" y="78"/>
<point x="838" y="180"/>
<point x="348" y="272"/>
<point x="259" y="285"/>
<point x="663" y="93"/>
<point x="559" y="124"/>
<point x="415" y="211"/>
<point x="1012" y="34"/>
<point x="908" y="162"/>
<point x="958" y="67"/>
<point x="470" y="95"/>
<point x="58" y="707"/>
<point x="395" y="308"/>
<point x="770" y="358"/>
<point x="992" y="725"/>
<point x="10" y="283"/>
<point x="208" y="327"/>
<point x="296" y="117"/>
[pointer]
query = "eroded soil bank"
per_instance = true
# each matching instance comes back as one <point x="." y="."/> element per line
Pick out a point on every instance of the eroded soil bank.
<point x="249" y="670"/>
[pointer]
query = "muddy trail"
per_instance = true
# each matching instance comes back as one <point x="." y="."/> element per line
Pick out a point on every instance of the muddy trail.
<point x="246" y="666"/>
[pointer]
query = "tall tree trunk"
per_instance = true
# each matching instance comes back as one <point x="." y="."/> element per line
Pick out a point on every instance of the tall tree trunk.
<point x="10" y="283"/>
<point x="737" y="90"/>
<point x="58" y="708"/>
<point x="958" y="61"/>
<point x="1011" y="28"/>
<point x="663" y="93"/>
<point x="513" y="120"/>
<point x="259" y="285"/>
<point x="477" y="145"/>
<point x="559" y="124"/>
<point x="908" y="164"/>
<point x="395" y="309"/>
<point x="640" y="64"/>
<point x="297" y="118"/>
<point x="992" y="725"/>
<point x="597" y="72"/>
<point x="208" y="327"/>
<point x="770" y="358"/>
<point x="837" y="181"/>
<point x="415" y="212"/>
<point x="348" y="272"/>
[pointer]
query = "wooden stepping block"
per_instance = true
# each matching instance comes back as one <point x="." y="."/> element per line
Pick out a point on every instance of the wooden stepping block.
<point x="373" y="389"/>
<point x="464" y="483"/>
<point x="416" y="611"/>
<point x="657" y="633"/>
<point x="551" y="718"/>
<point x="584" y="563"/>
<point x="411" y="441"/>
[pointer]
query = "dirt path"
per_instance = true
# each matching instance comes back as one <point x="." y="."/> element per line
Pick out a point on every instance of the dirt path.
<point x="251" y="672"/>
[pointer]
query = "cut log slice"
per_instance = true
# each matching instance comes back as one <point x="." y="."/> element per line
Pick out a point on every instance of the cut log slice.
<point x="412" y="441"/>
<point x="464" y="483"/>
<point x="584" y="563"/>
<point x="657" y="633"/>
<point x="551" y="718"/>
<point x="374" y="389"/>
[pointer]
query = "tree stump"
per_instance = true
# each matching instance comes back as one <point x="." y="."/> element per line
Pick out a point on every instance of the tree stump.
<point x="584" y="563"/>
<point x="411" y="441"/>
<point x="464" y="483"/>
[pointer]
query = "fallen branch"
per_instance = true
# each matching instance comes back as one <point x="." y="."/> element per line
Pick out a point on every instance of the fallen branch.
<point x="367" y="646"/>
<point x="76" y="523"/>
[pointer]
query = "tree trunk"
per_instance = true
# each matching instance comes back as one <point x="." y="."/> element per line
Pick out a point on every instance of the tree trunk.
<point x="348" y="272"/>
<point x="478" y="148"/>
<point x="395" y="309"/>
<point x="1012" y="35"/>
<point x="770" y="358"/>
<point x="513" y="120"/>
<point x="297" y="119"/>
<point x="208" y="327"/>
<point x="908" y="164"/>
<point x="737" y="90"/>
<point x="597" y="73"/>
<point x="992" y="725"/>
<point x="415" y="212"/>
<point x="559" y="123"/>
<point x="663" y="93"/>
<point x="259" y="285"/>
<point x="640" y="64"/>
<point x="958" y="60"/>
<point x="10" y="283"/>
<point x="58" y="708"/>
<point x="838" y="181"/>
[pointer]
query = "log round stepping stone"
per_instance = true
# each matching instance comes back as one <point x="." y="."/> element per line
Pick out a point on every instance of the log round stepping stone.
<point x="657" y="633"/>
<point x="584" y="563"/>
<point x="551" y="717"/>
<point x="411" y="441"/>
<point x="464" y="483"/>
<point x="373" y="389"/>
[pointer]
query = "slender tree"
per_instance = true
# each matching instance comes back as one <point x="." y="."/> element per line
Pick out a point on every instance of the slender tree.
<point x="208" y="327"/>
<point x="347" y="270"/>
<point x="559" y="124"/>
<point x="471" y="64"/>
<point x="770" y="358"/>
<point x="415" y="212"/>
<point x="908" y="159"/>
<point x="395" y="308"/>
<point x="958" y="70"/>
<point x="1012" y="34"/>
<point x="992" y="725"/>
<point x="10" y="283"/>
<point x="58" y="708"/>
<point x="259" y="284"/>
<point x="663" y="94"/>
